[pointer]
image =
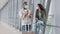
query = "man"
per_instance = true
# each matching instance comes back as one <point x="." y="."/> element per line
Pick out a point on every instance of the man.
<point x="25" y="16"/>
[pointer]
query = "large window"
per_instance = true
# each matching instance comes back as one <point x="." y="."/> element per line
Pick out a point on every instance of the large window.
<point x="16" y="5"/>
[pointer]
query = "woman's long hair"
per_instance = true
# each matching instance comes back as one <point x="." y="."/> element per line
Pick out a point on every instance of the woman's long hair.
<point x="42" y="8"/>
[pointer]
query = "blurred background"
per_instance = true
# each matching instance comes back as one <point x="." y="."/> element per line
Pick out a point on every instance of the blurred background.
<point x="9" y="14"/>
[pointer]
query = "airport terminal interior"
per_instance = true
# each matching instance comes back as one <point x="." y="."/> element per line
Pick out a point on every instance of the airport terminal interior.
<point x="10" y="22"/>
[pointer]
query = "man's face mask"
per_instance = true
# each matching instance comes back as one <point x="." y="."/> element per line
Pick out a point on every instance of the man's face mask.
<point x="26" y="6"/>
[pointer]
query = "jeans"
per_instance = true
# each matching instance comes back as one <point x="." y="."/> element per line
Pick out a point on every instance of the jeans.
<point x="26" y="27"/>
<point x="37" y="27"/>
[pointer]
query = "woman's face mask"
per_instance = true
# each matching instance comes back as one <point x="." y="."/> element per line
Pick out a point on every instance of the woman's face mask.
<point x="37" y="7"/>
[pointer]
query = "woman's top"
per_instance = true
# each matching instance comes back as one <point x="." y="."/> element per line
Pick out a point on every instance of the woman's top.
<point x="41" y="15"/>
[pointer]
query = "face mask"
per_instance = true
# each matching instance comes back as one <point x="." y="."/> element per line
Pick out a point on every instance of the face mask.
<point x="36" y="7"/>
<point x="26" y="7"/>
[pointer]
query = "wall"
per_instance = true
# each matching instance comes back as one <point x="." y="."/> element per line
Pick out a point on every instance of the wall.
<point x="57" y="16"/>
<point x="55" y="9"/>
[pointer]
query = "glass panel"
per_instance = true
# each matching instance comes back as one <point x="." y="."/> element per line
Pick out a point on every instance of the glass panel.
<point x="16" y="5"/>
<point x="48" y="30"/>
<point x="13" y="7"/>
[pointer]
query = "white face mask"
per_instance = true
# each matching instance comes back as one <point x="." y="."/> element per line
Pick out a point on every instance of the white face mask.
<point x="36" y="7"/>
<point x="26" y="6"/>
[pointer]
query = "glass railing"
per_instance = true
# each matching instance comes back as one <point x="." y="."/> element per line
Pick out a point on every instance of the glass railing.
<point x="50" y="22"/>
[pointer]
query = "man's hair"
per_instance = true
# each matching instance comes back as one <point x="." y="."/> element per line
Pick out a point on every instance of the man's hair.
<point x="25" y="3"/>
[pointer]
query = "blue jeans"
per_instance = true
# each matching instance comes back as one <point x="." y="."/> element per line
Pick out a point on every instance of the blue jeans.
<point x="26" y="27"/>
<point x="37" y="27"/>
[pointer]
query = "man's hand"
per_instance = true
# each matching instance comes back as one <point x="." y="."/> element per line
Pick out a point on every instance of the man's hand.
<point x="25" y="14"/>
<point x="30" y="15"/>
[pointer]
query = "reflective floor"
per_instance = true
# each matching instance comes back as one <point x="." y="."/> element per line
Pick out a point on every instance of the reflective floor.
<point x="5" y="29"/>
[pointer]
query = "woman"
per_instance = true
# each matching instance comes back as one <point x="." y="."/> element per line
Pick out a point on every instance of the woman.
<point x="40" y="17"/>
<point x="41" y="13"/>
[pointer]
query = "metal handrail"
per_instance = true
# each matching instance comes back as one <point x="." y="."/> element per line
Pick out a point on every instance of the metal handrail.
<point x="52" y="26"/>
